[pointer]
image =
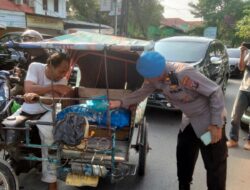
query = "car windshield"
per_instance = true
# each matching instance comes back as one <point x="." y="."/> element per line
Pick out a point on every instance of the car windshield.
<point x="233" y="53"/>
<point x="182" y="51"/>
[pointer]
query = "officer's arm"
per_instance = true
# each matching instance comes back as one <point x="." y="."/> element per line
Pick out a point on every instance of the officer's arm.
<point x="138" y="95"/>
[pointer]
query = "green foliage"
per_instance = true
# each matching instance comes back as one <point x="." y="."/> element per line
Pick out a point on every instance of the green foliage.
<point x="223" y="14"/>
<point x="156" y="32"/>
<point x="243" y="26"/>
<point x="197" y="31"/>
<point x="142" y="15"/>
<point x="86" y="10"/>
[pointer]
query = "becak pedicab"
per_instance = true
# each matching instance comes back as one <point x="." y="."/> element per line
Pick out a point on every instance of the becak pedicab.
<point x="91" y="141"/>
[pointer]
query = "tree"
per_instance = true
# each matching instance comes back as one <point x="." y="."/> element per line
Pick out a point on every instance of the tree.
<point x="243" y="26"/>
<point x="197" y="31"/>
<point x="221" y="13"/>
<point x="86" y="10"/>
<point x="142" y="15"/>
<point x="83" y="9"/>
<point x="134" y="22"/>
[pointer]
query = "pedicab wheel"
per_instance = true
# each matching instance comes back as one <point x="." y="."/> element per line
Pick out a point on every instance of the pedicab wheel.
<point x="143" y="148"/>
<point x="8" y="179"/>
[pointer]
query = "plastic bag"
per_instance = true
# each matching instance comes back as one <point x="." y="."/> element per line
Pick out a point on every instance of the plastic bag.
<point x="98" y="103"/>
<point x="70" y="130"/>
<point x="119" y="118"/>
<point x="95" y="111"/>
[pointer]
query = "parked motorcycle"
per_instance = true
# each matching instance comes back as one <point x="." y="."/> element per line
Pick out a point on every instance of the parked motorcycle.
<point x="8" y="82"/>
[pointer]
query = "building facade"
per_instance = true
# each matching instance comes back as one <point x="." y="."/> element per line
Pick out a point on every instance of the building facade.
<point x="45" y="16"/>
<point x="52" y="8"/>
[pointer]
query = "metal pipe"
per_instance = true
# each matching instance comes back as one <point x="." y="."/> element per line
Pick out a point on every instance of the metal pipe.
<point x="38" y="146"/>
<point x="6" y="107"/>
<point x="113" y="152"/>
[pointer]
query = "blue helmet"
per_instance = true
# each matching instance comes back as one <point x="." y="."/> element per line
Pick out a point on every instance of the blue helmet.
<point x="151" y="64"/>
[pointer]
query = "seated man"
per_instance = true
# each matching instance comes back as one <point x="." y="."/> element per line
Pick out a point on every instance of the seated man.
<point x="46" y="80"/>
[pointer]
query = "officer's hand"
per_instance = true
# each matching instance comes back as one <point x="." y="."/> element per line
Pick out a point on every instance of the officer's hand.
<point x="216" y="133"/>
<point x="114" y="104"/>
<point x="31" y="98"/>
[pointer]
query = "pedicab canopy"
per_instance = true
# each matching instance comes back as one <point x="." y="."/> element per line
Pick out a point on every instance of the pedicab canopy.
<point x="90" y="41"/>
<point x="90" y="51"/>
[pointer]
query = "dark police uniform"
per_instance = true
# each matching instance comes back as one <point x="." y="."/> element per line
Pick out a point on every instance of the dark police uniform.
<point x="202" y="103"/>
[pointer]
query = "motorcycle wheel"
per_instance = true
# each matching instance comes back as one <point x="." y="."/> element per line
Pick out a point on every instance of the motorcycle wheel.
<point x="8" y="179"/>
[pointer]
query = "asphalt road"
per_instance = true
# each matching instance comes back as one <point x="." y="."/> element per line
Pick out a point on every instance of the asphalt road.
<point x="161" y="161"/>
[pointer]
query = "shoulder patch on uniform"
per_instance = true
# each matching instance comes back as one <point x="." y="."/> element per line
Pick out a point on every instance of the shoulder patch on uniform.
<point x="187" y="82"/>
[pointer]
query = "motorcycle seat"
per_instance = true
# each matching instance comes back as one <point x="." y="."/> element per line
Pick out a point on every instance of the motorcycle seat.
<point x="14" y="121"/>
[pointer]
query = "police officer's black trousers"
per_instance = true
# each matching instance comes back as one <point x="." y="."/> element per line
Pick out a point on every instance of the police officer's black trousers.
<point x="214" y="158"/>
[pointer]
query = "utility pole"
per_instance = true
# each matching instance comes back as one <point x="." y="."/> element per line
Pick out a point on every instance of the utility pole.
<point x="98" y="16"/>
<point x="124" y="18"/>
<point x="115" y="31"/>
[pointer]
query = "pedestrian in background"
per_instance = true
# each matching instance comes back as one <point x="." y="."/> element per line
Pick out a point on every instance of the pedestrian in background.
<point x="202" y="103"/>
<point x="34" y="54"/>
<point x="242" y="100"/>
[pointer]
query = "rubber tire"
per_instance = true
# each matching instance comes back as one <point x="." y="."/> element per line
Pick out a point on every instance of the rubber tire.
<point x="143" y="149"/>
<point x="11" y="178"/>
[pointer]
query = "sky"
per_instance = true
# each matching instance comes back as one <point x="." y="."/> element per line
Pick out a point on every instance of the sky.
<point x="179" y="9"/>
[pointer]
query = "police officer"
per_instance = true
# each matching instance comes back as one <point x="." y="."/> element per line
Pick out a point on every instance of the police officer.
<point x="202" y="103"/>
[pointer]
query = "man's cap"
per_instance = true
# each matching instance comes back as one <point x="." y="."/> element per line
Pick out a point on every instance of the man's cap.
<point x="151" y="64"/>
<point x="32" y="33"/>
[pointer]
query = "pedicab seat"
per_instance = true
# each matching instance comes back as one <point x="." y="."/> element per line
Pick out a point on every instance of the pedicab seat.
<point x="84" y="92"/>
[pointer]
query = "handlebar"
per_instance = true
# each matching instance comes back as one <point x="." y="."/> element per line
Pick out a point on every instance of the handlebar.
<point x="21" y="97"/>
<point x="37" y="122"/>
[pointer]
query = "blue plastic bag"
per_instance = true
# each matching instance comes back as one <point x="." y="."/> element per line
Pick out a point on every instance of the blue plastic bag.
<point x="119" y="118"/>
<point x="98" y="103"/>
<point x="95" y="110"/>
<point x="81" y="110"/>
